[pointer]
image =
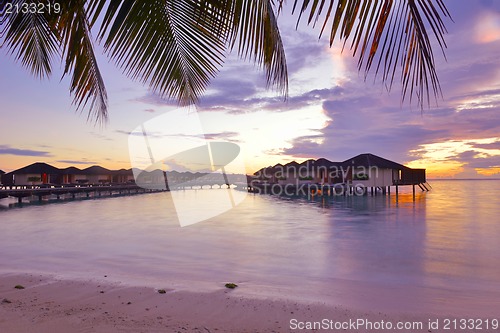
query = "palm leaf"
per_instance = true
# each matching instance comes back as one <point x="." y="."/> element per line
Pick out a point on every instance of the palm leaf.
<point x="29" y="36"/>
<point x="255" y="30"/>
<point x="178" y="46"/>
<point x="37" y="37"/>
<point x="162" y="43"/>
<point x="389" y="33"/>
<point x="87" y="84"/>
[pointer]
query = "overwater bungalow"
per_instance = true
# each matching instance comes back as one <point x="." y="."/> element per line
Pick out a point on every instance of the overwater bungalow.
<point x="321" y="171"/>
<point x="97" y="175"/>
<point x="364" y="170"/>
<point x="122" y="176"/>
<point x="34" y="174"/>
<point x="151" y="179"/>
<point x="374" y="171"/>
<point x="73" y="175"/>
<point x="43" y="173"/>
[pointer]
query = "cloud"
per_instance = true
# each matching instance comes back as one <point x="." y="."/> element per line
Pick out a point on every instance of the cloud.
<point x="154" y="99"/>
<point x="100" y="136"/>
<point x="227" y="136"/>
<point x="76" y="162"/>
<point x="7" y="150"/>
<point x="474" y="160"/>
<point x="493" y="145"/>
<point x="223" y="136"/>
<point x="123" y="132"/>
<point x="150" y="110"/>
<point x="494" y="93"/>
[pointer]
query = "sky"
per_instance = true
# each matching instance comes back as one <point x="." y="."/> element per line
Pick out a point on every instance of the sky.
<point x="331" y="112"/>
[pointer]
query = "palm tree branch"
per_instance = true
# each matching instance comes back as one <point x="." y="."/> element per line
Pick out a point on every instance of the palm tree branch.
<point x="31" y="38"/>
<point x="164" y="44"/>
<point x="389" y="34"/>
<point x="255" y="28"/>
<point x="87" y="83"/>
<point x="177" y="47"/>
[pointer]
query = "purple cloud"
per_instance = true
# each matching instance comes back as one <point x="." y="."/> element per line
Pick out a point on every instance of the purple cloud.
<point x="7" y="150"/>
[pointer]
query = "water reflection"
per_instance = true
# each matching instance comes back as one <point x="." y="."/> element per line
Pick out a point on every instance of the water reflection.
<point x="462" y="240"/>
<point x="442" y="246"/>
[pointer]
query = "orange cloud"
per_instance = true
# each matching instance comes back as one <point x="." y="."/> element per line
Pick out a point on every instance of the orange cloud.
<point x="443" y="159"/>
<point x="487" y="29"/>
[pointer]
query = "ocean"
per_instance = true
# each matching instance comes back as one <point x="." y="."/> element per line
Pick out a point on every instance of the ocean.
<point x="439" y="254"/>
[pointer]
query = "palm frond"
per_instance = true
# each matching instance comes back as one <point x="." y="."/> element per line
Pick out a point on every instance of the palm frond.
<point x="87" y="84"/>
<point x="178" y="46"/>
<point x="30" y="38"/>
<point x="389" y="33"/>
<point x="162" y="43"/>
<point x="255" y="28"/>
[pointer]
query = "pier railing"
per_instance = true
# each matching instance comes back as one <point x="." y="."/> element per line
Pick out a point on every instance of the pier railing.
<point x="40" y="191"/>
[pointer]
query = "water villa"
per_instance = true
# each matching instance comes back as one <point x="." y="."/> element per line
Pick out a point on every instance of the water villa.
<point x="356" y="175"/>
<point x="41" y="180"/>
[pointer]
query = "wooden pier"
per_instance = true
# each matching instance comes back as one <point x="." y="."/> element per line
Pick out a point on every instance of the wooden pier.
<point x="101" y="190"/>
<point x="340" y="189"/>
<point x="70" y="191"/>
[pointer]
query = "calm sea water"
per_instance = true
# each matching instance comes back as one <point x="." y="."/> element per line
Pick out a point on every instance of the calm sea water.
<point x="439" y="254"/>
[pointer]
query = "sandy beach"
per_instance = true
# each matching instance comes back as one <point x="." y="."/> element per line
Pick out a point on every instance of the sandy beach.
<point x="54" y="306"/>
<point x="49" y="305"/>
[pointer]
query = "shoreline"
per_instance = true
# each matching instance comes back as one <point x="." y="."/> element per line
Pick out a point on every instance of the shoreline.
<point x="64" y="305"/>
<point x="55" y="305"/>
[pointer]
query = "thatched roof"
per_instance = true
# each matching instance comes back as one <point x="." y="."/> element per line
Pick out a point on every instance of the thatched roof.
<point x="362" y="160"/>
<point x="72" y="171"/>
<point x="96" y="170"/>
<point x="122" y="172"/>
<point x="370" y="160"/>
<point x="38" y="168"/>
